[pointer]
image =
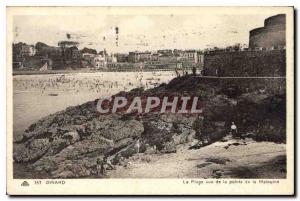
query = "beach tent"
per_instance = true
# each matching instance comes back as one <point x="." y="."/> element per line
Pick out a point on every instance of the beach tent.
<point x="44" y="67"/>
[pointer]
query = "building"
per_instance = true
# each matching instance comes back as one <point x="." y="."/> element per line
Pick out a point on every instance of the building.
<point x="200" y="60"/>
<point x="154" y="57"/>
<point x="88" y="56"/>
<point x="178" y="53"/>
<point x="270" y="63"/>
<point x="162" y="59"/>
<point x="27" y="50"/>
<point x="145" y="56"/>
<point x="136" y="56"/>
<point x="189" y="56"/>
<point x="238" y="60"/>
<point x="111" y="59"/>
<point x="133" y="57"/>
<point x="271" y="36"/>
<point x="121" y="58"/>
<point x="103" y="53"/>
<point x="166" y="52"/>
<point x="99" y="62"/>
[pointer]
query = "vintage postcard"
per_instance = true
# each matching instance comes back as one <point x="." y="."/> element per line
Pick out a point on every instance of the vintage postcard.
<point x="150" y="100"/>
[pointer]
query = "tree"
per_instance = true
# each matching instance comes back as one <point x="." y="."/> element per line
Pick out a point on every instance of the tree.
<point x="66" y="44"/>
<point x="88" y="50"/>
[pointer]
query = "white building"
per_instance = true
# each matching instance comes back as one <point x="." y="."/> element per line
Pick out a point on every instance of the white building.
<point x="111" y="58"/>
<point x="190" y="56"/>
<point x="28" y="50"/>
<point x="88" y="56"/>
<point x="99" y="62"/>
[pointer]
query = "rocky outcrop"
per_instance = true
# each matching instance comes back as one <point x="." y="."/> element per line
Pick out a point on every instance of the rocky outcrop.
<point x="262" y="116"/>
<point x="67" y="144"/>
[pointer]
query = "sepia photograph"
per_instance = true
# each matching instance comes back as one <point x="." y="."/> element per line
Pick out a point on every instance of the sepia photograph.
<point x="146" y="94"/>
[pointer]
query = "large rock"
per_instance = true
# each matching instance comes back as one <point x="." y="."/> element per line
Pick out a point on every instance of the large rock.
<point x="67" y="144"/>
<point x="116" y="129"/>
<point x="31" y="151"/>
<point x="72" y="150"/>
<point x="263" y="116"/>
<point x="167" y="131"/>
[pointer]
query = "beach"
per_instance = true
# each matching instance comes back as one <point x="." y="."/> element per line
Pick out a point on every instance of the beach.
<point x="36" y="96"/>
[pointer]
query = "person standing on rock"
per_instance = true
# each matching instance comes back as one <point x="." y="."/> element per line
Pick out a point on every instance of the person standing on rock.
<point x="233" y="129"/>
<point x="100" y="167"/>
<point x="138" y="145"/>
<point x="108" y="164"/>
<point x="194" y="71"/>
<point x="176" y="71"/>
<point x="103" y="165"/>
<point x="198" y="125"/>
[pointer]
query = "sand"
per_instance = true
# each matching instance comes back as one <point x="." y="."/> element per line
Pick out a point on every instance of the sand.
<point x="36" y="96"/>
<point x="249" y="159"/>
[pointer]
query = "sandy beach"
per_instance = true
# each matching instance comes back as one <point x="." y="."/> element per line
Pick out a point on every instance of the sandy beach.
<point x="36" y="96"/>
<point x="242" y="159"/>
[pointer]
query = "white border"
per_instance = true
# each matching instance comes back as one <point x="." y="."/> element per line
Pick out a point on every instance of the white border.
<point x="95" y="2"/>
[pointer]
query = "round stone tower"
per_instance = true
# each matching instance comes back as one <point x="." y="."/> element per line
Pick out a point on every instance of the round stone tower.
<point x="272" y="35"/>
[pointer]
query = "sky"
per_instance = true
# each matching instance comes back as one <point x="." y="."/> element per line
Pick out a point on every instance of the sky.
<point x="137" y="32"/>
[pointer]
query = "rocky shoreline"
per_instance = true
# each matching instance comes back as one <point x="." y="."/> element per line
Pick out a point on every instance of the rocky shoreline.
<point x="66" y="144"/>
